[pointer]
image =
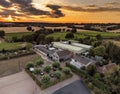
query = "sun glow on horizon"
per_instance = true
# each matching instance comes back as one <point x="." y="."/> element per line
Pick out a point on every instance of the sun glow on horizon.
<point x="10" y="19"/>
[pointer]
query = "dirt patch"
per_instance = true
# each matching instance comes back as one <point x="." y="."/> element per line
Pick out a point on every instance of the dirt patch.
<point x="17" y="29"/>
<point x="12" y="66"/>
<point x="115" y="31"/>
<point x="116" y="42"/>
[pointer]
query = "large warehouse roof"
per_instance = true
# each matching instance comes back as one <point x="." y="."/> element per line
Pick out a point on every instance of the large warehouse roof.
<point x="74" y="47"/>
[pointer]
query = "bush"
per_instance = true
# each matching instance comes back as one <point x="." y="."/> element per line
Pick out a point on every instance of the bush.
<point x="47" y="69"/>
<point x="56" y="65"/>
<point x="30" y="65"/>
<point x="39" y="62"/>
<point x="37" y="71"/>
<point x="57" y="74"/>
<point x="91" y="70"/>
<point x="66" y="70"/>
<point x="69" y="36"/>
<point x="45" y="79"/>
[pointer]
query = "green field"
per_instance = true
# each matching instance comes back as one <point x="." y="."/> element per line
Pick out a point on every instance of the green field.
<point x="61" y="35"/>
<point x="18" y="35"/>
<point x="103" y="34"/>
<point x="12" y="46"/>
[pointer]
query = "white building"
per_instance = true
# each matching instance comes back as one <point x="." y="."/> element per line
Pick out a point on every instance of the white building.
<point x="61" y="55"/>
<point x="74" y="47"/>
<point x="80" y="61"/>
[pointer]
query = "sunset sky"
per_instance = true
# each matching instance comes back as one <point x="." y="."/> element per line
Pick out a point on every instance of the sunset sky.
<point x="75" y="11"/>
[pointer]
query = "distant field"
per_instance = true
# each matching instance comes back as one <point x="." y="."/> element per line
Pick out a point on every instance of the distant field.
<point x="85" y="33"/>
<point x="118" y="30"/>
<point x="61" y="35"/>
<point x="104" y="34"/>
<point x="16" y="29"/>
<point x="12" y="46"/>
<point x="18" y="35"/>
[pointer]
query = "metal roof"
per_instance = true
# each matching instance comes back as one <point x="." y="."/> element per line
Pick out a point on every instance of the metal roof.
<point x="68" y="47"/>
<point x="74" y="47"/>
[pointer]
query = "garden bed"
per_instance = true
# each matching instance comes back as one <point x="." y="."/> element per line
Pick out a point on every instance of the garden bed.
<point x="46" y="77"/>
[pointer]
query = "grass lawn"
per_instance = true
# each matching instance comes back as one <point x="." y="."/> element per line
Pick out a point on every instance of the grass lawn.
<point x="12" y="46"/>
<point x="18" y="35"/>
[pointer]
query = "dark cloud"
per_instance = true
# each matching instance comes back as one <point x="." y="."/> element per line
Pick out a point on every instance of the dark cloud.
<point x="56" y="12"/>
<point x="5" y="3"/>
<point x="25" y="6"/>
<point x="92" y="8"/>
<point x="6" y="13"/>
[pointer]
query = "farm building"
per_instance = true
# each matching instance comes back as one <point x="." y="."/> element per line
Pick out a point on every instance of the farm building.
<point x="74" y="47"/>
<point x="80" y="61"/>
<point x="61" y="55"/>
<point x="105" y="68"/>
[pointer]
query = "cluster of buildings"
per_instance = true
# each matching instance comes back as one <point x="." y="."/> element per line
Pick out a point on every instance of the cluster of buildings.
<point x="71" y="51"/>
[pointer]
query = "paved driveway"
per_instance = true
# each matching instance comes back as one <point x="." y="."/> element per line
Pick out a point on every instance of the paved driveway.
<point x="21" y="83"/>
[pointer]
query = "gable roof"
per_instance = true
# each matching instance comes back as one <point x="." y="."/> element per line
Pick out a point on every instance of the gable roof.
<point x="105" y="68"/>
<point x="83" y="60"/>
<point x="63" y="53"/>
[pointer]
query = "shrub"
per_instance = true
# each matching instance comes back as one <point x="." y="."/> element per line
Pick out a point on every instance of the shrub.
<point x="45" y="79"/>
<point x="39" y="62"/>
<point x="30" y="65"/>
<point x="91" y="70"/>
<point x="47" y="69"/>
<point x="66" y="70"/>
<point x="37" y="71"/>
<point x="69" y="36"/>
<point x="57" y="74"/>
<point x="56" y="65"/>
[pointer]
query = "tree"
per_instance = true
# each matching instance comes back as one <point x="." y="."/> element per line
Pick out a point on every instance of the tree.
<point x="97" y="76"/>
<point x="30" y="65"/>
<point x="99" y="51"/>
<point x="56" y="64"/>
<point x="47" y="69"/>
<point x="57" y="74"/>
<point x="74" y="30"/>
<point x="91" y="70"/>
<point x="40" y="39"/>
<point x="2" y="33"/>
<point x="29" y="28"/>
<point x="69" y="36"/>
<point x="66" y="70"/>
<point x="99" y="37"/>
<point x="39" y="62"/>
<point x="14" y="39"/>
<point x="27" y="38"/>
<point x="45" y="79"/>
<point x="49" y="39"/>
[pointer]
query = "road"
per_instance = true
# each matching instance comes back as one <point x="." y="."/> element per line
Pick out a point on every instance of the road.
<point x="21" y="83"/>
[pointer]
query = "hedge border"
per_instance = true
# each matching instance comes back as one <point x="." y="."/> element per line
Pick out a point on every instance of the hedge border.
<point x="17" y="56"/>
